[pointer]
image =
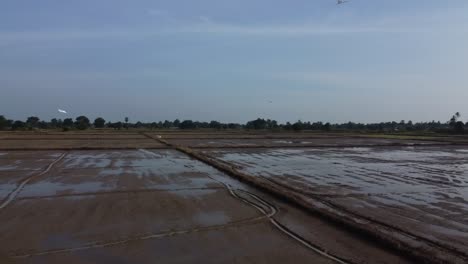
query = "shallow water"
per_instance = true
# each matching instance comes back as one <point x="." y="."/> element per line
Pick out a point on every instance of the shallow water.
<point x="46" y="188"/>
<point x="83" y="172"/>
<point x="54" y="241"/>
<point x="5" y="189"/>
<point x="427" y="186"/>
<point x="358" y="170"/>
<point x="210" y="218"/>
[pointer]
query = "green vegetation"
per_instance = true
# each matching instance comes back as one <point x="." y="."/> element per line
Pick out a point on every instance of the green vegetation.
<point x="99" y="122"/>
<point x="82" y="123"/>
<point x="3" y="122"/>
<point x="402" y="128"/>
<point x="457" y="126"/>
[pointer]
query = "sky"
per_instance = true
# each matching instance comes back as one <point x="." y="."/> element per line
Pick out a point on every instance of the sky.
<point x="234" y="61"/>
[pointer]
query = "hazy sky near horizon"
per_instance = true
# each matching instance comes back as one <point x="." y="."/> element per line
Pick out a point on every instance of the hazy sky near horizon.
<point x="364" y="61"/>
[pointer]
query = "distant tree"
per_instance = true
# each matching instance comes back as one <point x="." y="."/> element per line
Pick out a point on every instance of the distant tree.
<point x="82" y="123"/>
<point x="168" y="124"/>
<point x="43" y="125"/>
<point x="176" y="123"/>
<point x="287" y="126"/>
<point x="452" y="121"/>
<point x="327" y="127"/>
<point x="298" y="126"/>
<point x="457" y="126"/>
<point x="32" y="121"/>
<point x="139" y="124"/>
<point x="259" y="123"/>
<point x="187" y="124"/>
<point x="215" y="125"/>
<point x="3" y="122"/>
<point x="271" y="124"/>
<point x="116" y="125"/>
<point x="119" y="125"/>
<point x="18" y="125"/>
<point x="409" y="125"/>
<point x="67" y="122"/>
<point x="99" y="122"/>
<point x="126" y="122"/>
<point x="197" y="124"/>
<point x="54" y="123"/>
<point x="234" y="126"/>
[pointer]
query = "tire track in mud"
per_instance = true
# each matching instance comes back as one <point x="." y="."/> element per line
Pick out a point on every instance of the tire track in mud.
<point x="389" y="230"/>
<point x="272" y="212"/>
<point x="290" y="233"/>
<point x="12" y="195"/>
<point x="268" y="214"/>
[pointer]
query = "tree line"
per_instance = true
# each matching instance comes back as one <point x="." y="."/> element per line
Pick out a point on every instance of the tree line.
<point x="83" y="122"/>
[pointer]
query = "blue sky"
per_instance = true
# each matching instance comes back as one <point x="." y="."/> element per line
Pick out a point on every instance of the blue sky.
<point x="364" y="61"/>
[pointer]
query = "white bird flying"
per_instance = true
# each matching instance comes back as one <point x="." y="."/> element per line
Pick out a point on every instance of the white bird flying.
<point x="62" y="111"/>
<point x="340" y="2"/>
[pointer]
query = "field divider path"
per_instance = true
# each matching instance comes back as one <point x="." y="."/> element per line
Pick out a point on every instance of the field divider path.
<point x="260" y="207"/>
<point x="420" y="249"/>
<point x="12" y="195"/>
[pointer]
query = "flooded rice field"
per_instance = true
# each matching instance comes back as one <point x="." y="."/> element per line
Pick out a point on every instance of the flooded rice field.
<point x="422" y="190"/>
<point x="133" y="206"/>
<point x="77" y="143"/>
<point x="296" y="141"/>
<point x="133" y="198"/>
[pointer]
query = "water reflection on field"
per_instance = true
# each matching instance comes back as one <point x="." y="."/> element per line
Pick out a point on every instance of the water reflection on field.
<point x="422" y="189"/>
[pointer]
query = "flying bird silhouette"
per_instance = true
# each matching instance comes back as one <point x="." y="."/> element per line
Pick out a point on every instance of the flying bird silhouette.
<point x="62" y="111"/>
<point x="340" y="2"/>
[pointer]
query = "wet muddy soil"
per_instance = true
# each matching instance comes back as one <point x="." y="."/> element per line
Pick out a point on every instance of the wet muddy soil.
<point x="295" y="142"/>
<point x="423" y="190"/>
<point x="132" y="207"/>
<point x="51" y="144"/>
<point x="155" y="205"/>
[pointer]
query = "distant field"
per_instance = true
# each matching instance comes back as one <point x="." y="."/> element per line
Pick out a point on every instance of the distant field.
<point x="293" y="141"/>
<point x="43" y="141"/>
